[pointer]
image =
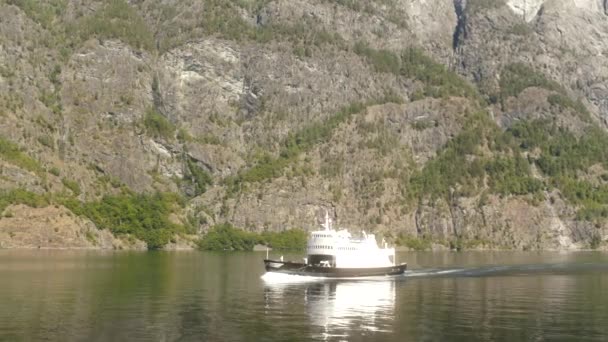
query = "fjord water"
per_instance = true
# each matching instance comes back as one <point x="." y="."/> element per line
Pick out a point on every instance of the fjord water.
<point x="196" y="296"/>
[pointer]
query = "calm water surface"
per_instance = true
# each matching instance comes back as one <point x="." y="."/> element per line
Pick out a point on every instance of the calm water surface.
<point x="195" y="296"/>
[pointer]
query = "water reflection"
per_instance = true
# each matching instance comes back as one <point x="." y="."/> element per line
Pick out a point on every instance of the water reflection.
<point x="337" y="308"/>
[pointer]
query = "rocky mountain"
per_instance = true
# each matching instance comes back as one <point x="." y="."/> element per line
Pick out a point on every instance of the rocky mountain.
<point x="464" y="124"/>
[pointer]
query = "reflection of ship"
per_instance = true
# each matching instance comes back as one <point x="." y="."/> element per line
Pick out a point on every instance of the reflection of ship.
<point x="337" y="308"/>
<point x="336" y="254"/>
<point x="340" y="305"/>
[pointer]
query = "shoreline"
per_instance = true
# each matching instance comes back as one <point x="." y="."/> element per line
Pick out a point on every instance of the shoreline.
<point x="397" y="249"/>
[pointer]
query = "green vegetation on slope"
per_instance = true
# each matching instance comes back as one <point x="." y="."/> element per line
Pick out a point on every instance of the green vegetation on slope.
<point x="225" y="237"/>
<point x="20" y="196"/>
<point x="474" y="6"/>
<point x="412" y="63"/>
<point x="43" y="12"/>
<point x="13" y="154"/>
<point x="291" y="239"/>
<point x="116" y="20"/>
<point x="224" y="19"/>
<point x="411" y="242"/>
<point x="157" y="125"/>
<point x="465" y="167"/>
<point x="269" y="167"/>
<point x="516" y="77"/>
<point x="72" y="185"/>
<point x="564" y="158"/>
<point x="199" y="178"/>
<point x="144" y="216"/>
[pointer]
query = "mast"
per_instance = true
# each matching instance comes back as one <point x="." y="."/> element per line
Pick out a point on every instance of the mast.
<point x="327" y="224"/>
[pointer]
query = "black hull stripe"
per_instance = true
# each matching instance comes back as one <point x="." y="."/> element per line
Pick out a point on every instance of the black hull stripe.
<point x="295" y="268"/>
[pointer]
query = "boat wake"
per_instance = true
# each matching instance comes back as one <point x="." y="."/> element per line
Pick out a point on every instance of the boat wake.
<point x="282" y="278"/>
<point x="483" y="271"/>
<point x="273" y="278"/>
<point x="432" y="272"/>
<point x="510" y="270"/>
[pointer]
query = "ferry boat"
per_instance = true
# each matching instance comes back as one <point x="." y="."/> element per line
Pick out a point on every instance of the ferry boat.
<point x="336" y="254"/>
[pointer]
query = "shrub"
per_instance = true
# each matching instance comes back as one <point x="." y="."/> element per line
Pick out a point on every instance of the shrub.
<point x="520" y="29"/>
<point x="47" y="141"/>
<point x="292" y="239"/>
<point x="458" y="169"/>
<point x="13" y="154"/>
<point x="54" y="171"/>
<point x="437" y="80"/>
<point x="268" y="167"/>
<point x="414" y="63"/>
<point x="474" y="6"/>
<point x="418" y="244"/>
<point x="421" y="125"/>
<point x="183" y="136"/>
<point x="21" y="196"/>
<point x="564" y="101"/>
<point x="145" y="216"/>
<point x="225" y="237"/>
<point x="461" y="167"/>
<point x="516" y="77"/>
<point x="72" y="185"/>
<point x="43" y="12"/>
<point x="199" y="178"/>
<point x="116" y="20"/>
<point x="157" y="125"/>
<point x="381" y="60"/>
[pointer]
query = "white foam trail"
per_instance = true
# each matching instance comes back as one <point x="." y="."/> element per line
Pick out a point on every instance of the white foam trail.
<point x="282" y="278"/>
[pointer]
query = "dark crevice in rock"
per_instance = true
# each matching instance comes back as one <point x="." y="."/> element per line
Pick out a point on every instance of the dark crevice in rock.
<point x="251" y="100"/>
<point x="157" y="96"/>
<point x="460" y="30"/>
<point x="452" y="206"/>
<point x="417" y="219"/>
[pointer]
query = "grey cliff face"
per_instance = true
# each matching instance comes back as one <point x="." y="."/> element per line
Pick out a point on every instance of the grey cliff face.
<point x="228" y="86"/>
